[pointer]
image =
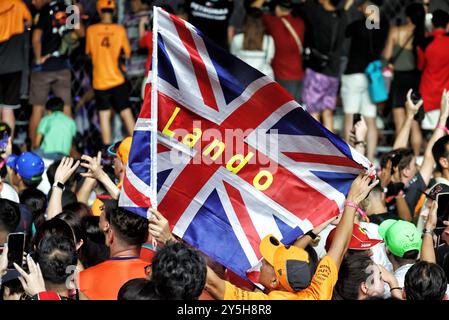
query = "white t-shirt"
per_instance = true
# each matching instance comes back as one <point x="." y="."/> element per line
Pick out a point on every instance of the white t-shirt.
<point x="9" y="193"/>
<point x="258" y="59"/>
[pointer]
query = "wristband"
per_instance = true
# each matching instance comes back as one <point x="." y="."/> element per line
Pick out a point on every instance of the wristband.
<point x="59" y="185"/>
<point x="311" y="234"/>
<point x="360" y="142"/>
<point x="357" y="208"/>
<point x="446" y="130"/>
<point x="396" y="288"/>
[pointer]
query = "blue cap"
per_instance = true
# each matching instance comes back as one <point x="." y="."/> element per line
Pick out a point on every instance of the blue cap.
<point x="11" y="161"/>
<point x="30" y="166"/>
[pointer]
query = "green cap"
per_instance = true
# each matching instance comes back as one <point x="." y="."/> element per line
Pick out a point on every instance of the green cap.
<point x="400" y="236"/>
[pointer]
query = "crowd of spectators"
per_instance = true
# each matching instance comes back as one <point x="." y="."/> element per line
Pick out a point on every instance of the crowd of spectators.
<point x="390" y="242"/>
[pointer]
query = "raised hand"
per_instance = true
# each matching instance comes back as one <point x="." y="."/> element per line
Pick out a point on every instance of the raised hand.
<point x="33" y="283"/>
<point x="159" y="227"/>
<point x="385" y="174"/>
<point x="411" y="108"/>
<point x="360" y="188"/>
<point x="360" y="130"/>
<point x="431" y="219"/>
<point x="444" y="114"/>
<point x="66" y="169"/>
<point x="93" y="165"/>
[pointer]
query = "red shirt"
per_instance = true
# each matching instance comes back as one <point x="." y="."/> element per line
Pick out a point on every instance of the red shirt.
<point x="147" y="42"/>
<point x="287" y="61"/>
<point x="433" y="60"/>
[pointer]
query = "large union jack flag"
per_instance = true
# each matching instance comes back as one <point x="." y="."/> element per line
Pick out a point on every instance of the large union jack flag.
<point x="296" y="173"/>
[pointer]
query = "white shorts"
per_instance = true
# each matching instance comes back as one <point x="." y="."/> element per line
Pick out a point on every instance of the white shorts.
<point x="430" y="120"/>
<point x="355" y="95"/>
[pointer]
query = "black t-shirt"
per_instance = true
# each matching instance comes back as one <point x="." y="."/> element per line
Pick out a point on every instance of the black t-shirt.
<point x="413" y="192"/>
<point x="12" y="54"/>
<point x="52" y="31"/>
<point x="366" y="45"/>
<point x="211" y="17"/>
<point x="325" y="33"/>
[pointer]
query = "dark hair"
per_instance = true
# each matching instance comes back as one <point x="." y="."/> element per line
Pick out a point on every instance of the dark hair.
<point x="411" y="255"/>
<point x="14" y="286"/>
<point x="254" y="30"/>
<point x="91" y="227"/>
<point x="74" y="221"/>
<point x="439" y="151"/>
<point x="440" y="18"/>
<point x="94" y="249"/>
<point x="401" y="158"/>
<point x="55" y="104"/>
<point x="81" y="209"/>
<point x="53" y="227"/>
<point x="178" y="272"/>
<point x="417" y="15"/>
<point x="9" y="215"/>
<point x="137" y="289"/>
<point x="33" y="183"/>
<point x="425" y="281"/>
<point x="36" y="202"/>
<point x="55" y="254"/>
<point x="130" y="228"/>
<point x="353" y="271"/>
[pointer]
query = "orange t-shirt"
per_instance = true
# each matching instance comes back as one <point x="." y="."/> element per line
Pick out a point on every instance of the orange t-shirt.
<point x="320" y="288"/>
<point x="104" y="43"/>
<point x="12" y="15"/>
<point x="103" y="281"/>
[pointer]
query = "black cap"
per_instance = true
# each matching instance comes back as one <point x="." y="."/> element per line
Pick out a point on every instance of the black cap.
<point x="10" y="275"/>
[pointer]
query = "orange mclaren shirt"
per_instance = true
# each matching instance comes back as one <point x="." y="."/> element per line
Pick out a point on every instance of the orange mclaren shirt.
<point x="104" y="44"/>
<point x="103" y="281"/>
<point x="321" y="287"/>
<point x="12" y="15"/>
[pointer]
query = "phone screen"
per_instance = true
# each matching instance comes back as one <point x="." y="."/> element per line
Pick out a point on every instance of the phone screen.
<point x="357" y="118"/>
<point x="443" y="211"/>
<point x="16" y="245"/>
<point x="4" y="137"/>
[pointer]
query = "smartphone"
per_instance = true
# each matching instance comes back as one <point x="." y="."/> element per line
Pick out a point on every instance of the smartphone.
<point x="16" y="246"/>
<point x="416" y="97"/>
<point x="443" y="211"/>
<point x="357" y="118"/>
<point x="4" y="137"/>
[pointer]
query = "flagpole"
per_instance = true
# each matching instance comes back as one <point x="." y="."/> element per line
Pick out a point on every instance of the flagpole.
<point x="154" y="113"/>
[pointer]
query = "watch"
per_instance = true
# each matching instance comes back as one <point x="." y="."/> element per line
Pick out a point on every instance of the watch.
<point x="59" y="185"/>
<point x="429" y="231"/>
<point x="311" y="234"/>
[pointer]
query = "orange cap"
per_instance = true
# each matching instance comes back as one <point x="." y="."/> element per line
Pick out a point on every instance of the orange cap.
<point x="123" y="150"/>
<point x="290" y="263"/>
<point x="105" y="4"/>
<point x="97" y="207"/>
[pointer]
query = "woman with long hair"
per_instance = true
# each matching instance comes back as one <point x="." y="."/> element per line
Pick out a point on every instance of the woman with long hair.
<point x="254" y="46"/>
<point x="359" y="278"/>
<point x="401" y="54"/>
